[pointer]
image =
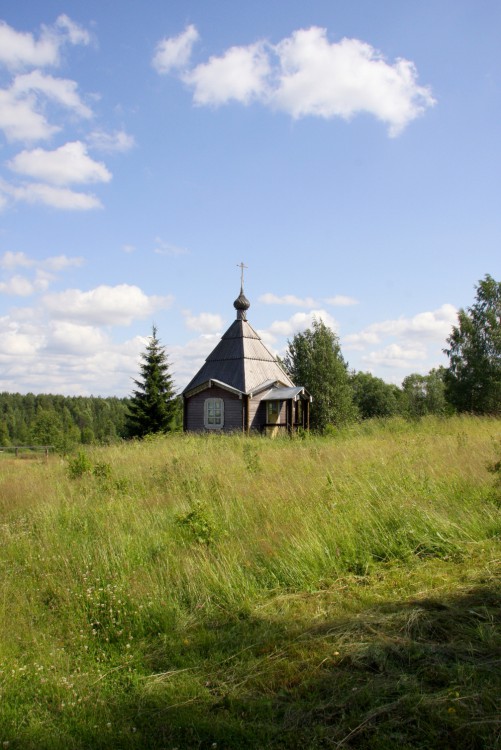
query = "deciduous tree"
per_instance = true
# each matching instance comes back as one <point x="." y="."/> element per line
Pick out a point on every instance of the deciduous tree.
<point x="374" y="397"/>
<point x="473" y="378"/>
<point x="314" y="361"/>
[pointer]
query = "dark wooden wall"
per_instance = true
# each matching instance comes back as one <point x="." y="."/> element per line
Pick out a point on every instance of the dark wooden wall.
<point x="194" y="410"/>
<point x="257" y="412"/>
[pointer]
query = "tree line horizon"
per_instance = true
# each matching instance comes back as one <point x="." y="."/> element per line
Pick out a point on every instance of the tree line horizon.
<point x="471" y="383"/>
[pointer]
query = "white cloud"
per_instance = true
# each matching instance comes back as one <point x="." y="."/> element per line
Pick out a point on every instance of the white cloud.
<point x="66" y="337"/>
<point x="397" y="355"/>
<point x="404" y="342"/>
<point x="435" y="325"/>
<point x="119" y="141"/>
<point x="168" y="249"/>
<point x="340" y="300"/>
<point x="20" y="121"/>
<point x="75" y="33"/>
<point x="204" y="322"/>
<point x="345" y="78"/>
<point x="104" y="305"/>
<point x="175" y="52"/>
<point x="300" y="321"/>
<point x="22" y="286"/>
<point x="12" y="260"/>
<point x="187" y="359"/>
<point x="18" y="339"/>
<point x="20" y="49"/>
<point x="306" y="75"/>
<point x="286" y="299"/>
<point x="128" y="248"/>
<point x="240" y="74"/>
<point x="60" y="262"/>
<point x="17" y="286"/>
<point x="68" y="164"/>
<point x="48" y="195"/>
<point x="60" y="90"/>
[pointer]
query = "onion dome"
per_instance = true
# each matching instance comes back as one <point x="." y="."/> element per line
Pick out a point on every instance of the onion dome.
<point x="241" y="305"/>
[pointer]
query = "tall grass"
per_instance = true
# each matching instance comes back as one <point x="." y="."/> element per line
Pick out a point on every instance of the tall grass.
<point x="192" y="590"/>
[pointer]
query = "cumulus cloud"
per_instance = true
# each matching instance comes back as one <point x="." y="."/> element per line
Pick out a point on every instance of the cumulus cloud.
<point x="340" y="300"/>
<point x="307" y="75"/>
<point x="62" y="91"/>
<point x="17" y="285"/>
<point x="435" y="325"/>
<point x="42" y="272"/>
<point x="286" y="299"/>
<point x="204" y="322"/>
<point x="403" y="343"/>
<point x="48" y="195"/>
<point x="23" y="115"/>
<point x="20" y="120"/>
<point x="66" y="337"/>
<point x="119" y="141"/>
<point x="71" y="31"/>
<point x="188" y="358"/>
<point x="21" y="49"/>
<point x="104" y="305"/>
<point x="19" y="338"/>
<point x="60" y="262"/>
<point x="175" y="52"/>
<point x="12" y="260"/>
<point x="34" y="106"/>
<point x="300" y="321"/>
<point x="397" y="355"/>
<point x="68" y="164"/>
<point x="240" y="74"/>
<point x="168" y="249"/>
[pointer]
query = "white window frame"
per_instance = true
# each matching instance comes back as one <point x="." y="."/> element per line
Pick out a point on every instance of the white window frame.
<point x="214" y="413"/>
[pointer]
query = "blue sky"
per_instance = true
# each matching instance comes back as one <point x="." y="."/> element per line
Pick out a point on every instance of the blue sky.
<point x="346" y="151"/>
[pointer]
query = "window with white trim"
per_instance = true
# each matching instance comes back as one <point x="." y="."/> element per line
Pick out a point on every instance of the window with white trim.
<point x="214" y="413"/>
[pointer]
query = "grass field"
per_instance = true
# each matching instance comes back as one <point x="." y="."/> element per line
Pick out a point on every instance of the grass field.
<point x="222" y="592"/>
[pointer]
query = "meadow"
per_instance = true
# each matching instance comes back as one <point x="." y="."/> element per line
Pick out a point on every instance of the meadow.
<point x="229" y="592"/>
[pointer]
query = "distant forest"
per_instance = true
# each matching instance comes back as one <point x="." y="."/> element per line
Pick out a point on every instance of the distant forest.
<point x="60" y="421"/>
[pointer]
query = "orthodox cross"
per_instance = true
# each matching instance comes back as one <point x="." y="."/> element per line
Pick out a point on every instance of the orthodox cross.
<point x="241" y="266"/>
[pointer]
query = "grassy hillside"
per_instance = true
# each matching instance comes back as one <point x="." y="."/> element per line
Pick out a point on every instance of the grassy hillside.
<point x="203" y="592"/>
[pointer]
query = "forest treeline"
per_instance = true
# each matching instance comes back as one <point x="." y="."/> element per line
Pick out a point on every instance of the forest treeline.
<point x="64" y="422"/>
<point x="471" y="383"/>
<point x="61" y="421"/>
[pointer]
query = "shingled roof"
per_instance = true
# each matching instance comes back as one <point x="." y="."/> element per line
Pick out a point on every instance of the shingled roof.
<point x="241" y="360"/>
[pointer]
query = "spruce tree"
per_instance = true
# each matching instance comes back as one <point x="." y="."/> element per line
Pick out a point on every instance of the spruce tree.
<point x="152" y="406"/>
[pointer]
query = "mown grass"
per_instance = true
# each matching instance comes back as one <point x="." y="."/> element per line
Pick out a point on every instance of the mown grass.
<point x="201" y="592"/>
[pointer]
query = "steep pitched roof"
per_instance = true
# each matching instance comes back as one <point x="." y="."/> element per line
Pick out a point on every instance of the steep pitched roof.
<point x="240" y="360"/>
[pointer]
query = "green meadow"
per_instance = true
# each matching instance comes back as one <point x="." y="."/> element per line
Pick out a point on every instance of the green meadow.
<point x="229" y="592"/>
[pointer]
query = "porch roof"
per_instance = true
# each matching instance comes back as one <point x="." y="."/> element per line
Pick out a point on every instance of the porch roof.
<point x="285" y="394"/>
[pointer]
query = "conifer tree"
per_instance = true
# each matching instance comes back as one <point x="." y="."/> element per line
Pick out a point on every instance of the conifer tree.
<point x="153" y="406"/>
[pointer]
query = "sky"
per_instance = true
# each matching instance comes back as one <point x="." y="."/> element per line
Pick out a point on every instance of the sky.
<point x="346" y="151"/>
